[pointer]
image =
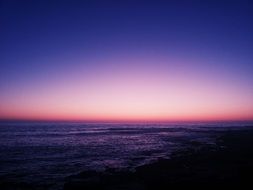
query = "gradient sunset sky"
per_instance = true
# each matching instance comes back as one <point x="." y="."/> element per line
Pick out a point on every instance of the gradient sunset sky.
<point x="126" y="60"/>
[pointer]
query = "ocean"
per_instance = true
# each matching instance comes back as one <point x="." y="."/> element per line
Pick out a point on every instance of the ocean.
<point x="44" y="154"/>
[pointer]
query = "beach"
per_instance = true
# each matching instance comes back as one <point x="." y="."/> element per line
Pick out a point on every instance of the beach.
<point x="126" y="95"/>
<point x="227" y="164"/>
<point x="56" y="156"/>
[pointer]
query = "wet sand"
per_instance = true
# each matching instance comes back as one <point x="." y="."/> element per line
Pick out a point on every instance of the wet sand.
<point x="229" y="163"/>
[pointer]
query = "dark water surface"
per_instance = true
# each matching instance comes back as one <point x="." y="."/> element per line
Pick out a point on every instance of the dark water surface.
<point x="45" y="153"/>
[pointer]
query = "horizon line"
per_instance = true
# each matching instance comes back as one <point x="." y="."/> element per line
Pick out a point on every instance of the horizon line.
<point x="125" y="121"/>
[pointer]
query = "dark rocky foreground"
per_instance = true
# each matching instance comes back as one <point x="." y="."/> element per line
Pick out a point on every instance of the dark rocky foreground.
<point x="229" y="164"/>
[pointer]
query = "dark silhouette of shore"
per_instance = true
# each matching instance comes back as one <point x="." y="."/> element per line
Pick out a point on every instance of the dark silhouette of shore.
<point x="227" y="164"/>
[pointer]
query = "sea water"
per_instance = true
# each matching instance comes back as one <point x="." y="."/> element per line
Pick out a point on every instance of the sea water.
<point x="45" y="153"/>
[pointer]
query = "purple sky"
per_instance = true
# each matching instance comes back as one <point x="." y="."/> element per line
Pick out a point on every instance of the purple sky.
<point x="126" y="60"/>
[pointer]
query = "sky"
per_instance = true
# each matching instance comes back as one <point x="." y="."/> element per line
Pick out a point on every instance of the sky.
<point x="126" y="60"/>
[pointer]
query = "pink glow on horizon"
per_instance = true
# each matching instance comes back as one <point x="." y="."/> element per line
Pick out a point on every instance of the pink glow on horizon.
<point x="132" y="89"/>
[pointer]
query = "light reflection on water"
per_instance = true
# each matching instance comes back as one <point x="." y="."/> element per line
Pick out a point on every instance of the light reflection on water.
<point x="48" y="152"/>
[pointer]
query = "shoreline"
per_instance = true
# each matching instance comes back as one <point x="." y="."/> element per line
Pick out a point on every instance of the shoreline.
<point x="228" y="163"/>
<point x="224" y="157"/>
